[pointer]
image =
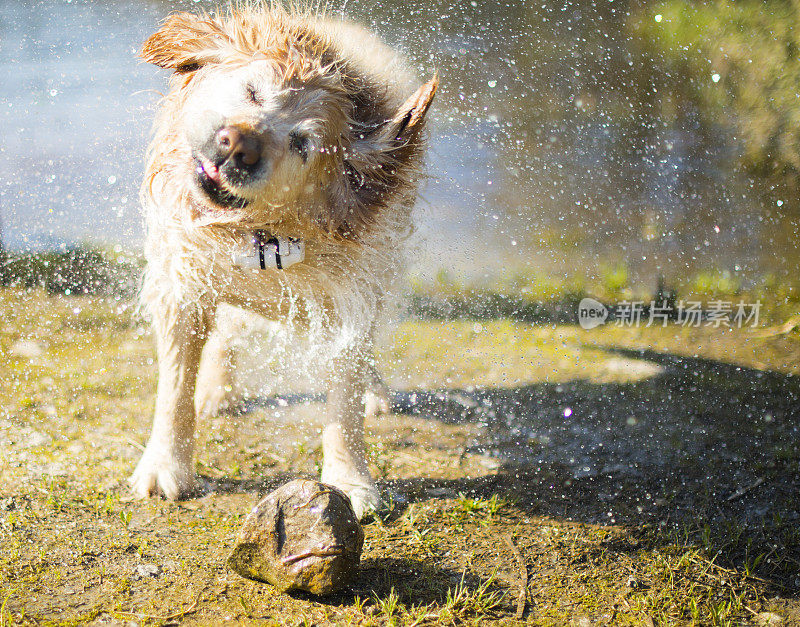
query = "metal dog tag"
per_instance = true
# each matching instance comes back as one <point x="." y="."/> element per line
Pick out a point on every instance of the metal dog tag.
<point x="268" y="252"/>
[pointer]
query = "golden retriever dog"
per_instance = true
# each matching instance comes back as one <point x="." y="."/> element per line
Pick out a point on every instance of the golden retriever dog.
<point x="280" y="179"/>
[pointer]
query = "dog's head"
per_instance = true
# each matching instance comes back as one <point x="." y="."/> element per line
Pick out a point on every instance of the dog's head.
<point x="266" y="117"/>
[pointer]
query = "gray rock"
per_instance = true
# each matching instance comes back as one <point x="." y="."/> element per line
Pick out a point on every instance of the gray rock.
<point x="303" y="536"/>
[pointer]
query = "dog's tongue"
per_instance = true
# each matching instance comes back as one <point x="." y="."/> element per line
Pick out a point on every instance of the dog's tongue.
<point x="211" y="171"/>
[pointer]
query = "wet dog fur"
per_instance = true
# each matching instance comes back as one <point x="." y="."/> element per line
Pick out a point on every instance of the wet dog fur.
<point x="303" y="126"/>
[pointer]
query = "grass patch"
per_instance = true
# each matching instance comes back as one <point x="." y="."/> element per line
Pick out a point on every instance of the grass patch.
<point x="75" y="271"/>
<point x="644" y="475"/>
<point x="540" y="299"/>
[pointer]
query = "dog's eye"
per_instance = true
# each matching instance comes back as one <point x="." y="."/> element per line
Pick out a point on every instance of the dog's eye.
<point x="187" y="68"/>
<point x="252" y="95"/>
<point x="299" y="143"/>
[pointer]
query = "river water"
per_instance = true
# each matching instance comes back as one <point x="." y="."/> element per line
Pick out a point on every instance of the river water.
<point x="551" y="149"/>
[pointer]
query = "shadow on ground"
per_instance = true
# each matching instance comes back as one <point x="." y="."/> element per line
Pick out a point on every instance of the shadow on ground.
<point x="703" y="446"/>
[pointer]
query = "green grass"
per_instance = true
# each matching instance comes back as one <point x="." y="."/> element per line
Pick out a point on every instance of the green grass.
<point x="680" y="547"/>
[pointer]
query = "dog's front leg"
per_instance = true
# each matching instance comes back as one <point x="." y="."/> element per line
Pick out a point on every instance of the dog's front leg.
<point x="167" y="464"/>
<point x="344" y="453"/>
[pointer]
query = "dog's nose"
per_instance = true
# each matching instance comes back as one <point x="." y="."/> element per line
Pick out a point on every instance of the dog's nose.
<point x="243" y="148"/>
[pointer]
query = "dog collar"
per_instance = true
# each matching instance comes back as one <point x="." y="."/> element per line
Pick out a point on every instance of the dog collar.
<point x="262" y="251"/>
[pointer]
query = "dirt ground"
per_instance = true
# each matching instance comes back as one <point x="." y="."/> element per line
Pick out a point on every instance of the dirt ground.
<point x="538" y="474"/>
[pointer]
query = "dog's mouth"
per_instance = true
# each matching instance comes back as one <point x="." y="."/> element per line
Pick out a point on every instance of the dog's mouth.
<point x="209" y="179"/>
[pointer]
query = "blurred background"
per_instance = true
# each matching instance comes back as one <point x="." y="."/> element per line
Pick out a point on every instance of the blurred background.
<point x="592" y="142"/>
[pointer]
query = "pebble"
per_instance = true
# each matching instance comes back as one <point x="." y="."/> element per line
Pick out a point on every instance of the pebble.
<point x="27" y="349"/>
<point x="147" y="570"/>
<point x="768" y="619"/>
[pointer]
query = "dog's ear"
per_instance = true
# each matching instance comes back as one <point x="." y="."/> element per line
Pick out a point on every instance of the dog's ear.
<point x="380" y="164"/>
<point x="406" y="125"/>
<point x="185" y="42"/>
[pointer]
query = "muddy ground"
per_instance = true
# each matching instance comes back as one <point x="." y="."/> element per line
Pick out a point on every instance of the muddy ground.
<point x="539" y="474"/>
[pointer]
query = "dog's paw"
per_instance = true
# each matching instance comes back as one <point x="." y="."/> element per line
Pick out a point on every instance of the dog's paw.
<point x="213" y="400"/>
<point x="162" y="474"/>
<point x="365" y="501"/>
<point x="376" y="400"/>
<point x="364" y="495"/>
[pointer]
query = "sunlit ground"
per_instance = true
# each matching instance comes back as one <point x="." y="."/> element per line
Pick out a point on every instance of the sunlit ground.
<point x="540" y="474"/>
